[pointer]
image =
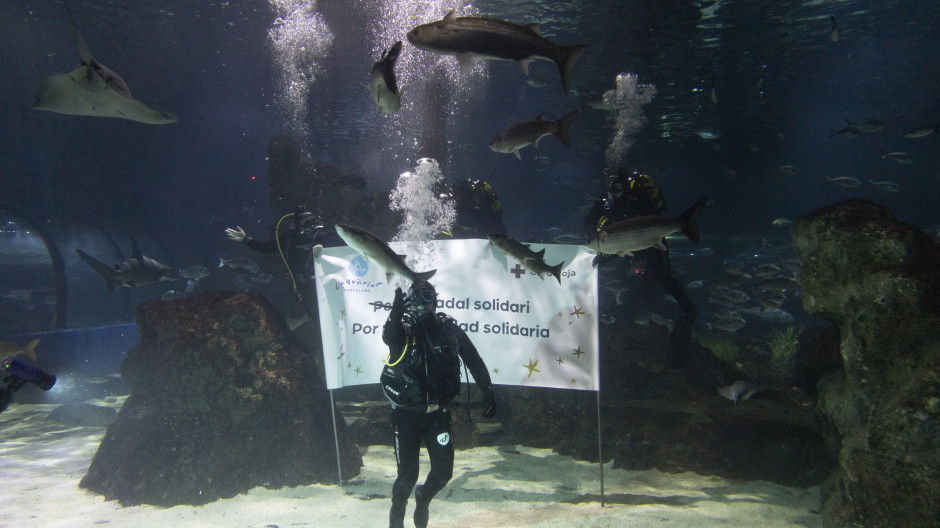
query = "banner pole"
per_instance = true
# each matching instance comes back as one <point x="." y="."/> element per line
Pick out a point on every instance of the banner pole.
<point x="339" y="466"/>
<point x="600" y="456"/>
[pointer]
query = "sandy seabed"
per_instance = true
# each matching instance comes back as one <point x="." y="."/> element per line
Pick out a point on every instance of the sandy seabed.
<point x="41" y="463"/>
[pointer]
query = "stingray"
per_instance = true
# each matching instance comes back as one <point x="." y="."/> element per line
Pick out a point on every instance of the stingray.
<point x="92" y="89"/>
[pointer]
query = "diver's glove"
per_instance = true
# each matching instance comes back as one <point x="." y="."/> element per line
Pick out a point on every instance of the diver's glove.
<point x="316" y="250"/>
<point x="398" y="305"/>
<point x="489" y="402"/>
<point x="237" y="234"/>
<point x="601" y="258"/>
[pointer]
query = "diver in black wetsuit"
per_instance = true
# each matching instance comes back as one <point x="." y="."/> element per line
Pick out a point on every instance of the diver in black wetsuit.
<point x="298" y="246"/>
<point x="630" y="195"/>
<point x="478" y="210"/>
<point x="425" y="349"/>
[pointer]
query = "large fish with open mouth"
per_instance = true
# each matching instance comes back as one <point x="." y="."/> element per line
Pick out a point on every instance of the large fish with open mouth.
<point x="530" y="260"/>
<point x="491" y="38"/>
<point x="634" y="234"/>
<point x="376" y="251"/>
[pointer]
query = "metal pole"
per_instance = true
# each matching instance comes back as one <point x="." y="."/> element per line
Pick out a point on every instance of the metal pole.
<point x="600" y="453"/>
<point x="339" y="465"/>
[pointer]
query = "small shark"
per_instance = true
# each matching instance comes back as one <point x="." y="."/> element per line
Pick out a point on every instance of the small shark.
<point x="139" y="270"/>
<point x="92" y="89"/>
<point x="530" y="260"/>
<point x="382" y="82"/>
<point x="376" y="251"/>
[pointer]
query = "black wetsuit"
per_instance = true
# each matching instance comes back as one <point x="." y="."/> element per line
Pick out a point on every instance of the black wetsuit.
<point x="430" y="421"/>
<point x="297" y="246"/>
<point x="645" y="200"/>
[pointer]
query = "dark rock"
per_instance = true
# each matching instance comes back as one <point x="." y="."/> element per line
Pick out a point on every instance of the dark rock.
<point x="817" y="354"/>
<point x="879" y="279"/>
<point x="222" y="400"/>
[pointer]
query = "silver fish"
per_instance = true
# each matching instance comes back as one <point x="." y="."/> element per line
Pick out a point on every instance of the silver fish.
<point x="530" y="260"/>
<point x="529" y="132"/>
<point x="739" y="391"/>
<point x="921" y="132"/>
<point x="376" y="251"/>
<point x="635" y="234"/>
<point x="469" y="37"/>
<point x="845" y="181"/>
<point x="382" y="82"/>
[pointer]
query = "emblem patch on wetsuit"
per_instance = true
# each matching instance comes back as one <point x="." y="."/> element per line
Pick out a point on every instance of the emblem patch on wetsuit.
<point x="443" y="439"/>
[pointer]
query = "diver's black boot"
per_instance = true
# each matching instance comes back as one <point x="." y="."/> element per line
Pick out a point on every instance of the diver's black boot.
<point x="421" y="508"/>
<point x="396" y="516"/>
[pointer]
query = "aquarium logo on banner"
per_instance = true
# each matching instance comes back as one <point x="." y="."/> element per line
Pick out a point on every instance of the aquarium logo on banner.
<point x="530" y="331"/>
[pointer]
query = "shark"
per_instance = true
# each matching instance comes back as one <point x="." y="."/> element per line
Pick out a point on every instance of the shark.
<point x="139" y="270"/>
<point x="94" y="90"/>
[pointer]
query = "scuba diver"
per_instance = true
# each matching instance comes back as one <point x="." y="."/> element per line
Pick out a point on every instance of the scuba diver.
<point x="297" y="247"/>
<point x="634" y="194"/>
<point x="478" y="210"/>
<point x="421" y="378"/>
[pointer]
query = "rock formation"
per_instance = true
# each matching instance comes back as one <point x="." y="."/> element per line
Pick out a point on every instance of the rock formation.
<point x="221" y="400"/>
<point x="879" y="279"/>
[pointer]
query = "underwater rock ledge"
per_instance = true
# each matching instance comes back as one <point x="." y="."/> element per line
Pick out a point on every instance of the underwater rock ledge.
<point x="221" y="400"/>
<point x="879" y="279"/>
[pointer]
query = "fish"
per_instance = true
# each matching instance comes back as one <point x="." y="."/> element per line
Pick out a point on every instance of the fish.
<point x="866" y="125"/>
<point x="924" y="131"/>
<point x="664" y="321"/>
<point x="94" y="90"/>
<point x="708" y="134"/>
<point x="568" y="238"/>
<point x="728" y="324"/>
<point x="834" y="32"/>
<point x="845" y="181"/>
<point x="886" y="186"/>
<point x="739" y="391"/>
<point x="643" y="318"/>
<point x="781" y="222"/>
<point x="9" y="350"/>
<point x="172" y="295"/>
<point x="382" y="82"/>
<point x="194" y="272"/>
<point x="491" y="38"/>
<point x="139" y="270"/>
<point x="767" y="270"/>
<point x="530" y="260"/>
<point x="240" y="264"/>
<point x="695" y="284"/>
<point x="776" y="315"/>
<point x="529" y="132"/>
<point x="901" y="158"/>
<point x="780" y="284"/>
<point x="634" y="234"/>
<point x="847" y="132"/>
<point x="376" y="251"/>
<point x="788" y="170"/>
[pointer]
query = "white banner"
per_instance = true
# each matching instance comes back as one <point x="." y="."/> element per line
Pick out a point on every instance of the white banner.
<point x="529" y="331"/>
